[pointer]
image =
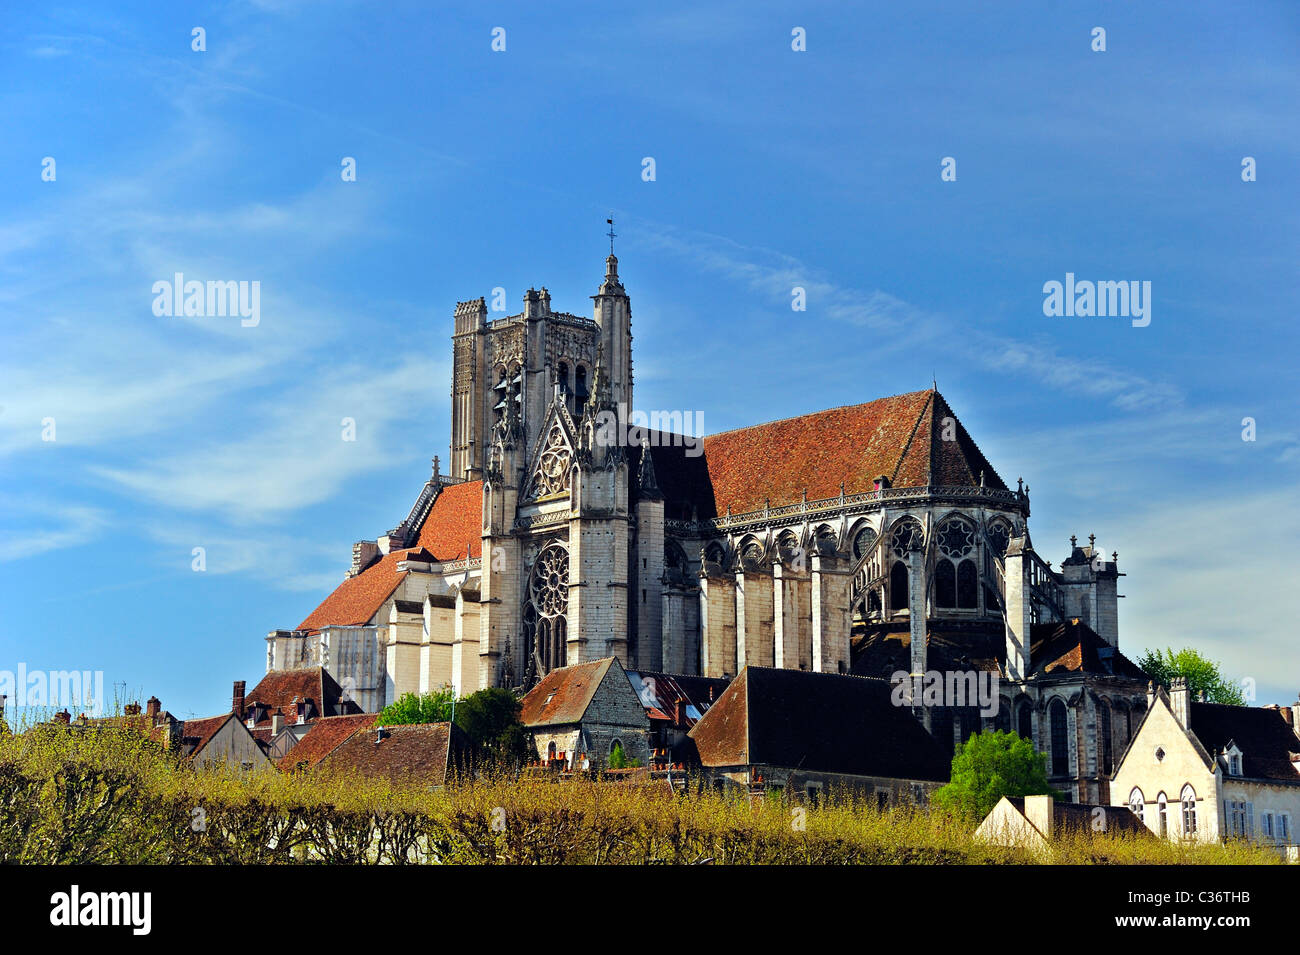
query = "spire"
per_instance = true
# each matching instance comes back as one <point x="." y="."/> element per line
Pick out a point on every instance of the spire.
<point x="645" y="478"/>
<point x="600" y="398"/>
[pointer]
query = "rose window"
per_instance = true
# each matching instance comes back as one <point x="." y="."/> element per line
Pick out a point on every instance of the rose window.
<point x="957" y="538"/>
<point x="905" y="537"/>
<point x="549" y="585"/>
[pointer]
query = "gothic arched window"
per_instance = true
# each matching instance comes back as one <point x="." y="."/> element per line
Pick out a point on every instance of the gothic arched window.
<point x="1162" y="815"/>
<point x="1105" y="731"/>
<point x="1025" y="721"/>
<point x="945" y="584"/>
<point x="1059" y="721"/>
<point x="906" y="535"/>
<point x="1188" y="799"/>
<point x="788" y="545"/>
<point x="999" y="537"/>
<point x="967" y="585"/>
<point x="580" y="393"/>
<point x="546" y="615"/>
<point x="1136" y="804"/>
<point x="898" y="586"/>
<point x="863" y="540"/>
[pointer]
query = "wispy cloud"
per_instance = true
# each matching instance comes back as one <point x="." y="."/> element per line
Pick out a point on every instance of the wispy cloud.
<point x="905" y="325"/>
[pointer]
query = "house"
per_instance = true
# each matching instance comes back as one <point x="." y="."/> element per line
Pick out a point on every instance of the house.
<point x="781" y="728"/>
<point x="413" y="754"/>
<point x="1032" y="822"/>
<point x="1211" y="772"/>
<point x="222" y="739"/>
<point x="586" y="711"/>
<point x="323" y="737"/>
<point x="282" y="707"/>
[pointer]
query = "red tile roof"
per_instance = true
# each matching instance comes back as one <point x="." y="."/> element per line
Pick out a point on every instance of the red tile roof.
<point x="415" y="753"/>
<point x="454" y="523"/>
<point x="563" y="695"/>
<point x="358" y="598"/>
<point x="900" y="437"/>
<point x="323" y="738"/>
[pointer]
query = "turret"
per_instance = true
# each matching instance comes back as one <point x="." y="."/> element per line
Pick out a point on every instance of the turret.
<point x="613" y="313"/>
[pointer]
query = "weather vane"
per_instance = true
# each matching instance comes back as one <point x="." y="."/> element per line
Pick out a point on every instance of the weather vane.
<point x="611" y="234"/>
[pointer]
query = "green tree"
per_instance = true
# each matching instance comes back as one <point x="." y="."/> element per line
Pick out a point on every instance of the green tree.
<point x="490" y="718"/>
<point x="618" y="759"/>
<point x="989" y="766"/>
<point x="433" y="707"/>
<point x="1202" y="674"/>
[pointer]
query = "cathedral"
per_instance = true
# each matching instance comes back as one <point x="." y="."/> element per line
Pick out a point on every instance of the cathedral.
<point x="872" y="539"/>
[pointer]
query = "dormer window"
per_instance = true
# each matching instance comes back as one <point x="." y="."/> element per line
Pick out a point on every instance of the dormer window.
<point x="1233" y="759"/>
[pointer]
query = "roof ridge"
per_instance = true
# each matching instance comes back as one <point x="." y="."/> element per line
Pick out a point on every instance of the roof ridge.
<point x="812" y="414"/>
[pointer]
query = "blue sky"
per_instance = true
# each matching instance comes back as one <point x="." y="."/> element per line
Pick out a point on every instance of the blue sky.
<point x="774" y="168"/>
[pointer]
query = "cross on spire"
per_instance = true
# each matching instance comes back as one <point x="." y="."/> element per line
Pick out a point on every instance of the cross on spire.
<point x="611" y="233"/>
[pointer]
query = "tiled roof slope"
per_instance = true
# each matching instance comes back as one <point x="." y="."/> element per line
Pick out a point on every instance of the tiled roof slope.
<point x="563" y="695"/>
<point x="822" y="722"/>
<point x="323" y="738"/>
<point x="455" y="522"/>
<point x="356" y="600"/>
<point x="900" y="437"/>
<point x="1071" y="646"/>
<point x="414" y="753"/>
<point x="453" y="525"/>
<point x="1263" y="735"/>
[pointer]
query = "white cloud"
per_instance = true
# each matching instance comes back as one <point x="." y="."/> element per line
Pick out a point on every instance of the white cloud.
<point x="293" y="455"/>
<point x="35" y="526"/>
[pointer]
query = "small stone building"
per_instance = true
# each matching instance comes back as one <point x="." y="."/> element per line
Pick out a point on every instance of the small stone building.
<point x="586" y="711"/>
<point x="814" y="732"/>
<point x="1211" y="772"/>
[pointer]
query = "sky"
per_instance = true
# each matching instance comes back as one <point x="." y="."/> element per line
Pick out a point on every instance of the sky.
<point x="128" y="438"/>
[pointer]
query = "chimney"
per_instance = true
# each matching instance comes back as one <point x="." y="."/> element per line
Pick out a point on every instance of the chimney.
<point x="63" y="716"/>
<point x="1295" y="716"/>
<point x="1019" y="610"/>
<point x="153" y="706"/>
<point x="277" y="724"/>
<point x="1180" y="700"/>
<point x="237" y="700"/>
<point x="131" y="709"/>
<point x="1039" y="812"/>
<point x="679" y="713"/>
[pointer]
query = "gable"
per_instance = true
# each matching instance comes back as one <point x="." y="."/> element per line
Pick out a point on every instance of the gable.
<point x="1184" y="756"/>
<point x="552" y="458"/>
<point x="563" y="695"/>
